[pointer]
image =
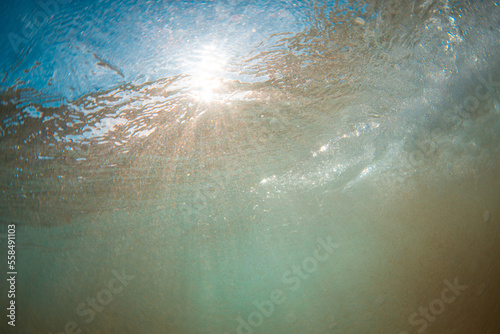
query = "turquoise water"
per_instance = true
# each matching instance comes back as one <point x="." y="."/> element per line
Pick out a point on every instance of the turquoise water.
<point x="272" y="167"/>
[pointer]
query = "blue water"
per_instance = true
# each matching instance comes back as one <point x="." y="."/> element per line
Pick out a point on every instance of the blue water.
<point x="160" y="34"/>
<point x="250" y="167"/>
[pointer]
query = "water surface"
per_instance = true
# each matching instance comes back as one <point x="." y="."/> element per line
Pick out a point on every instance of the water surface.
<point x="210" y="150"/>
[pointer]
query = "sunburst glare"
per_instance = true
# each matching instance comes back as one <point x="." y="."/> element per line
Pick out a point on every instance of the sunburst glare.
<point x="206" y="69"/>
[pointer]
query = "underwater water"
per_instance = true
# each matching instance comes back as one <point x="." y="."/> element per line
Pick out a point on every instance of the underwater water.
<point x="250" y="167"/>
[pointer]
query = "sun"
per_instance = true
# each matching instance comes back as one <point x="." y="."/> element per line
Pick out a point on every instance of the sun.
<point x="206" y="69"/>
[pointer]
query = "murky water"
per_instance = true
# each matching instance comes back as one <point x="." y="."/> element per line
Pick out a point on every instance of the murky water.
<point x="264" y="167"/>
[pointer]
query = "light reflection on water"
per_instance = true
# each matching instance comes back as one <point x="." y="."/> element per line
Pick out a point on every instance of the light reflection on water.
<point x="209" y="159"/>
<point x="206" y="72"/>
